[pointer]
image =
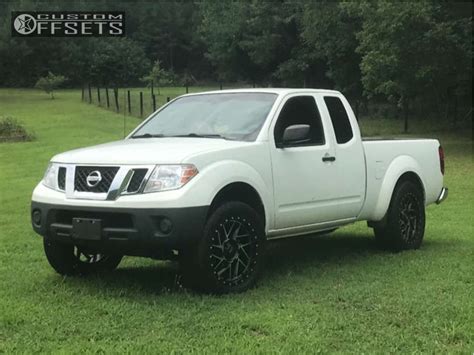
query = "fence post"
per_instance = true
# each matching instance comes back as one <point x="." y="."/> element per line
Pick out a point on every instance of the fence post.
<point x="220" y="86"/>
<point x="152" y="88"/>
<point x="90" y="93"/>
<point x="154" y="102"/>
<point x="116" y="99"/>
<point x="98" y="95"/>
<point x="82" y="93"/>
<point x="107" y="97"/>
<point x="128" y="101"/>
<point x="141" y="104"/>
<point x="187" y="89"/>
<point x="168" y="99"/>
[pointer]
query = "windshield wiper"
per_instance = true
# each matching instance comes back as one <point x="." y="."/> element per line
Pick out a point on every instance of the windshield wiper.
<point x="190" y="135"/>
<point x="198" y="135"/>
<point x="148" y="135"/>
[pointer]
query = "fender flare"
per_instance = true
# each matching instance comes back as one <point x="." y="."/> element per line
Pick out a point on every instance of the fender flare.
<point x="218" y="175"/>
<point x="399" y="166"/>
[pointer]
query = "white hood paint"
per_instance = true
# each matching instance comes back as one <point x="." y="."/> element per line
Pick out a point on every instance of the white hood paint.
<point x="144" y="151"/>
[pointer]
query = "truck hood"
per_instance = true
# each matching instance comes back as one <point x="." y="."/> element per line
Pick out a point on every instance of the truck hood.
<point x="145" y="151"/>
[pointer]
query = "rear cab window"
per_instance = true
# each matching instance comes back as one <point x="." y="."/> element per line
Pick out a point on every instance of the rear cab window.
<point x="339" y="119"/>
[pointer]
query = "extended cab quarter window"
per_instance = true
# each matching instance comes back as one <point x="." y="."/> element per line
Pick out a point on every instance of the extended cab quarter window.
<point x="300" y="110"/>
<point x="340" y="120"/>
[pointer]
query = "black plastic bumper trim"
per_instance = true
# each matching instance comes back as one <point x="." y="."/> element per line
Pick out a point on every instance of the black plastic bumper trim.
<point x="126" y="226"/>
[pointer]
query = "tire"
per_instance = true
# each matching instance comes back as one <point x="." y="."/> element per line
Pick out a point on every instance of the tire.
<point x="68" y="259"/>
<point x="229" y="256"/>
<point x="405" y="219"/>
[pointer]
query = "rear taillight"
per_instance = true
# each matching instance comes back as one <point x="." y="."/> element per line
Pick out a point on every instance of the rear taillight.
<point x="441" y="159"/>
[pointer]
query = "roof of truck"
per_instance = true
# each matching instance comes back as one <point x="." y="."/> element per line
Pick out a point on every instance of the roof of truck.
<point x="278" y="91"/>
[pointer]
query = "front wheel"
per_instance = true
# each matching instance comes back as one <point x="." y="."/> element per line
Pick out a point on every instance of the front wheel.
<point x="405" y="225"/>
<point x="68" y="259"/>
<point x="229" y="256"/>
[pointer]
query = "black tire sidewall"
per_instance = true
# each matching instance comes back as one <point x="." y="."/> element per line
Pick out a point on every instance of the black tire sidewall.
<point x="392" y="234"/>
<point x="60" y="256"/>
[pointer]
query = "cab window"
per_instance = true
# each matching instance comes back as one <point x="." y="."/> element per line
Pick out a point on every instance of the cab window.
<point x="300" y="110"/>
<point x="340" y="120"/>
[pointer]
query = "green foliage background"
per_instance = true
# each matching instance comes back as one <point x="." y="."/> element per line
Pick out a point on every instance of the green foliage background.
<point x="417" y="55"/>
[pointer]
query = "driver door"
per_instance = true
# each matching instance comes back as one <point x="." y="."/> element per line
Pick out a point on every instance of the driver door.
<point x="302" y="173"/>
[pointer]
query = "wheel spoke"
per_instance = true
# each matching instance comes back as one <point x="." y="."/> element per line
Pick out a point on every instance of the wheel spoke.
<point x="219" y="236"/>
<point x="87" y="258"/>
<point x="219" y="263"/>
<point x="244" y="252"/>
<point x="217" y="246"/>
<point x="228" y="233"/>
<point x="236" y="273"/>
<point x="409" y="218"/>
<point x="217" y="257"/>
<point x="232" y="250"/>
<point x="220" y="272"/>
<point x="243" y="245"/>
<point x="236" y="231"/>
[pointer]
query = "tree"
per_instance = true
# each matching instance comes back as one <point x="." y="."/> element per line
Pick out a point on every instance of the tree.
<point x="167" y="31"/>
<point x="49" y="83"/>
<point x="411" y="50"/>
<point x="116" y="62"/>
<point x="330" y="33"/>
<point x="448" y="61"/>
<point x="221" y="28"/>
<point x="159" y="76"/>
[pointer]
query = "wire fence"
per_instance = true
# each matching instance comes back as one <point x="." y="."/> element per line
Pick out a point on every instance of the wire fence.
<point x="138" y="102"/>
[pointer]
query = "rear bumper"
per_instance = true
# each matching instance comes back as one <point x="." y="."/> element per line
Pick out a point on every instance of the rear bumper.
<point x="132" y="231"/>
<point x="443" y="195"/>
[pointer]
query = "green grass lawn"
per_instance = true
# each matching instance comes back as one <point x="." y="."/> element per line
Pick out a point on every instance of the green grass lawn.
<point x="334" y="293"/>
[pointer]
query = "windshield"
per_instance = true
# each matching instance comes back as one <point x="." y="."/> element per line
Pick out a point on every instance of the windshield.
<point x="236" y="116"/>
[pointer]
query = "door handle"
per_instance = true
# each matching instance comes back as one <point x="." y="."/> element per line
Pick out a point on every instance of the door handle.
<point x="328" y="158"/>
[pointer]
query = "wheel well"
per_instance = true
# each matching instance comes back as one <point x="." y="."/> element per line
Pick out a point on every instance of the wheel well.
<point x="414" y="178"/>
<point x="408" y="176"/>
<point x="239" y="191"/>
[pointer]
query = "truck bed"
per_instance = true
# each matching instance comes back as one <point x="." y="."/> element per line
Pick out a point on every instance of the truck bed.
<point x="372" y="139"/>
<point x="393" y="156"/>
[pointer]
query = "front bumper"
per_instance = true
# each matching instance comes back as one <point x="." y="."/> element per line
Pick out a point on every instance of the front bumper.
<point x="443" y="195"/>
<point x="132" y="231"/>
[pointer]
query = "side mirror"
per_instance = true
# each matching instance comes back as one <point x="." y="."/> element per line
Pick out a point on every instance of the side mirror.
<point x="295" y="134"/>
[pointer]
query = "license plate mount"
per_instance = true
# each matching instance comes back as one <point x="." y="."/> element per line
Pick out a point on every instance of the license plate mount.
<point x="86" y="228"/>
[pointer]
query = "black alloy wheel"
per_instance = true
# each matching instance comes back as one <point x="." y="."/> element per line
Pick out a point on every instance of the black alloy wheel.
<point x="405" y="220"/>
<point x="68" y="259"/>
<point x="229" y="256"/>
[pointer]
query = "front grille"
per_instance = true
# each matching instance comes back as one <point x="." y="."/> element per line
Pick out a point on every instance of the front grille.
<point x="136" y="180"/>
<point x="82" y="172"/>
<point x="62" y="178"/>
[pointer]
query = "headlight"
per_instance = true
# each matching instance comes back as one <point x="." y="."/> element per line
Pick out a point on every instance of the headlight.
<point x="50" y="178"/>
<point x="169" y="177"/>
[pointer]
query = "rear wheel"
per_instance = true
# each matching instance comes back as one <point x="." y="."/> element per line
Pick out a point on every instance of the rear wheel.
<point x="68" y="259"/>
<point x="405" y="225"/>
<point x="229" y="256"/>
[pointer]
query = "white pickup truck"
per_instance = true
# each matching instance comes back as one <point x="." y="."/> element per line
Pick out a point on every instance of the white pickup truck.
<point x="210" y="177"/>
